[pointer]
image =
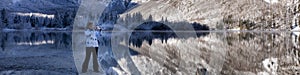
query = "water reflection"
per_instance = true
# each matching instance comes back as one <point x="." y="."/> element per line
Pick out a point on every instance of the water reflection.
<point x="250" y="51"/>
<point x="32" y="38"/>
<point x="231" y="52"/>
<point x="223" y="52"/>
<point x="149" y="31"/>
<point x="36" y="52"/>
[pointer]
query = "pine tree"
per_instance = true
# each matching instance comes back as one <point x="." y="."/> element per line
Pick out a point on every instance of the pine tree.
<point x="58" y="21"/>
<point x="45" y="22"/>
<point x="50" y="23"/>
<point x="3" y="17"/>
<point x="1" y="24"/>
<point x="67" y="19"/>
<point x="3" y="14"/>
<point x="150" y="18"/>
<point x="32" y="21"/>
<point x="17" y="19"/>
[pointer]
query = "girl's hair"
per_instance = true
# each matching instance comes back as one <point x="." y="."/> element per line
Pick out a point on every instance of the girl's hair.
<point x="89" y="24"/>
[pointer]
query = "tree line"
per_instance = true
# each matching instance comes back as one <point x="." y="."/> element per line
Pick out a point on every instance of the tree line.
<point x="13" y="21"/>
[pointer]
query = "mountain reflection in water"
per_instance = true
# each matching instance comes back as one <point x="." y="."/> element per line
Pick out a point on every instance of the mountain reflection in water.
<point x="243" y="50"/>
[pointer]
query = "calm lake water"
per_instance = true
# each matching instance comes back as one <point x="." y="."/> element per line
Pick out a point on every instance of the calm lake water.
<point x="23" y="52"/>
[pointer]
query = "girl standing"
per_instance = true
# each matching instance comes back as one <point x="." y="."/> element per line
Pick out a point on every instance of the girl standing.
<point x="91" y="47"/>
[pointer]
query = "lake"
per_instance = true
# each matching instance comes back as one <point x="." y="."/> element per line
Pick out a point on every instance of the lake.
<point x="208" y="52"/>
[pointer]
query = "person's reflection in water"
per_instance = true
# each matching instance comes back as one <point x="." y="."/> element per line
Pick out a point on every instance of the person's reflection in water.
<point x="91" y="47"/>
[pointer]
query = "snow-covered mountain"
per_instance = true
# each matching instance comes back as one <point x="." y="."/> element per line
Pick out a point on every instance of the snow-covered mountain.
<point x="40" y="6"/>
<point x="229" y="14"/>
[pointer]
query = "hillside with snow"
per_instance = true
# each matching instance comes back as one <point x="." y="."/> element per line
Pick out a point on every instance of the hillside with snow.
<point x="37" y="14"/>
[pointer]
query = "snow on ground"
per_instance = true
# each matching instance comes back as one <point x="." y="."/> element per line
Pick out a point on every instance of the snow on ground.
<point x="296" y="31"/>
<point x="36" y="42"/>
<point x="139" y="1"/>
<point x="271" y="1"/>
<point x="271" y="65"/>
<point x="36" y="15"/>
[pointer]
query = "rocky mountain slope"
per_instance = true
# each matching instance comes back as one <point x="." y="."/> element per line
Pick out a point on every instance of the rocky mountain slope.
<point x="225" y="14"/>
